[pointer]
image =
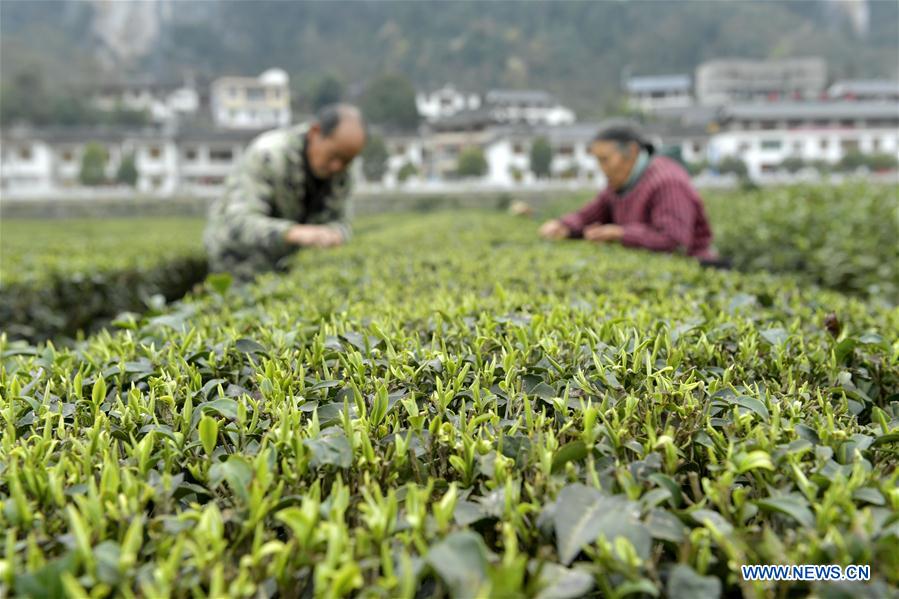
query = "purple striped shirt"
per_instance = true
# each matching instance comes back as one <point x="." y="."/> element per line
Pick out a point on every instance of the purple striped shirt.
<point x="662" y="212"/>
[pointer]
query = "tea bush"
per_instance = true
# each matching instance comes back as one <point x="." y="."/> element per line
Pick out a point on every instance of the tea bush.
<point x="61" y="277"/>
<point x="450" y="407"/>
<point x="844" y="237"/>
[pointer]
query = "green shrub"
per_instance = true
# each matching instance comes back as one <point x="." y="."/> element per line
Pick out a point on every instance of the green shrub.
<point x="489" y="415"/>
<point x="472" y="163"/>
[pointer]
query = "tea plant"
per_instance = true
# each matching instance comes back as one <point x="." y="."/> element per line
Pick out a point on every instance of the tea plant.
<point x="60" y="277"/>
<point x="450" y="407"/>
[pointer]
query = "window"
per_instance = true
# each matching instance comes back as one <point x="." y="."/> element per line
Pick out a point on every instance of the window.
<point x="849" y="145"/>
<point x="797" y="147"/>
<point x="210" y="181"/>
<point x="875" y="145"/>
<point x="518" y="148"/>
<point x="25" y="153"/>
<point x="743" y="147"/>
<point x="67" y="156"/>
<point x="771" y="144"/>
<point x="566" y="150"/>
<point x="220" y="155"/>
<point x="190" y="154"/>
<point x="824" y="144"/>
<point x="255" y="94"/>
<point x="697" y="147"/>
<point x="847" y="124"/>
<point x="768" y="125"/>
<point x="794" y="124"/>
<point x="155" y="152"/>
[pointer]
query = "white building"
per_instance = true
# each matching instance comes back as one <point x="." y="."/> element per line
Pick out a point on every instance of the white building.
<point x="763" y="135"/>
<point x="508" y="153"/>
<point x="652" y="93"/>
<point x="865" y="89"/>
<point x="252" y="102"/>
<point x="405" y="150"/>
<point x="445" y="102"/>
<point x="720" y="82"/>
<point x="533" y="107"/>
<point x="207" y="157"/>
<point x="45" y="162"/>
<point x="163" y="102"/>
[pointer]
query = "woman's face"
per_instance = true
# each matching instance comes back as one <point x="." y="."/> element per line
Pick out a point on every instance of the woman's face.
<point x="616" y="162"/>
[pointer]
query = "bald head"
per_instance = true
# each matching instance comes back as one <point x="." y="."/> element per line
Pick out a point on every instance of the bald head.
<point x="336" y="137"/>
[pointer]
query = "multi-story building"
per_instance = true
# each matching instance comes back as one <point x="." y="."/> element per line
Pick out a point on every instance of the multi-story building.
<point x="720" y="82"/>
<point x="162" y="101"/>
<point x="763" y="135"/>
<point x="652" y="93"/>
<point x="44" y="162"/>
<point x="38" y="162"/>
<point x="206" y="157"/>
<point x="251" y="102"/>
<point x="47" y="162"/>
<point x="445" y="102"/>
<point x="533" y="107"/>
<point x="508" y="153"/>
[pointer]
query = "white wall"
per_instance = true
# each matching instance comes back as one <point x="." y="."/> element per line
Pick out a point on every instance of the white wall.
<point x="805" y="144"/>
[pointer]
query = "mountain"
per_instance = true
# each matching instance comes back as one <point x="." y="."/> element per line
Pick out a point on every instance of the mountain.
<point x="575" y="50"/>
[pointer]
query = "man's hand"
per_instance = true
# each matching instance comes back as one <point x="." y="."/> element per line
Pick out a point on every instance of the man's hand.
<point x="554" y="229"/>
<point x="320" y="236"/>
<point x="603" y="233"/>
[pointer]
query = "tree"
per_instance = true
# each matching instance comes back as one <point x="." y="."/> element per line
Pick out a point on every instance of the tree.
<point x="541" y="157"/>
<point x="881" y="162"/>
<point x="793" y="164"/>
<point x="407" y="171"/>
<point x="328" y="90"/>
<point x="696" y="168"/>
<point x="472" y="163"/>
<point x="127" y="172"/>
<point x="822" y="166"/>
<point x="851" y="162"/>
<point x="732" y="164"/>
<point x="93" y="165"/>
<point x="374" y="159"/>
<point x="854" y="160"/>
<point x="390" y="100"/>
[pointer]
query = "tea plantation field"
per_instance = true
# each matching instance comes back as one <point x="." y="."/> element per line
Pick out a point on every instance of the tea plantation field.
<point x="451" y="407"/>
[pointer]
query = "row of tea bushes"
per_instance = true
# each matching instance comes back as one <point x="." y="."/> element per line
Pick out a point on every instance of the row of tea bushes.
<point x="450" y="407"/>
<point x="844" y="238"/>
<point x="59" y="277"/>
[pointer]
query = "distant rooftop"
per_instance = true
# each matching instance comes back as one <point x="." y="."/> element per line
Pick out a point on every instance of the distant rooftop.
<point x="522" y="96"/>
<point x="658" y="83"/>
<point x="823" y="110"/>
<point x="864" y="87"/>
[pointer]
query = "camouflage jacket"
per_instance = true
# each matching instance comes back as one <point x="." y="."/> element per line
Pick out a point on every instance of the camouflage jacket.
<point x="263" y="198"/>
